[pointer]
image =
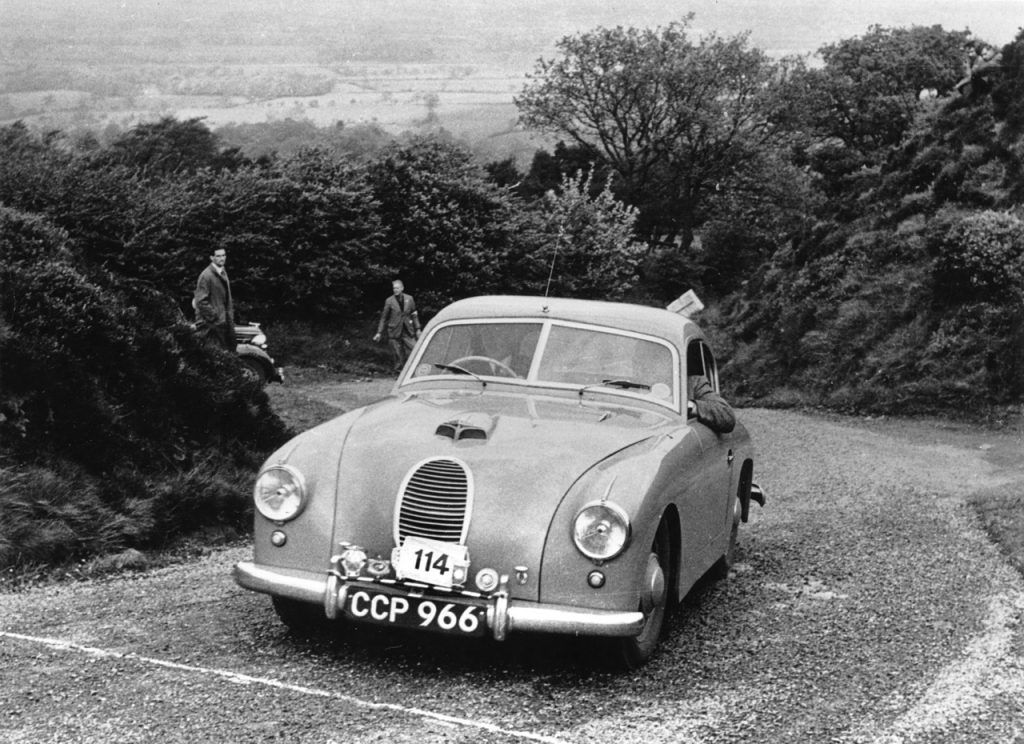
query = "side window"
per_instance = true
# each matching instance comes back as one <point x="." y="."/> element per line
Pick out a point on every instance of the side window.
<point x="710" y="368"/>
<point x="694" y="359"/>
<point x="700" y="361"/>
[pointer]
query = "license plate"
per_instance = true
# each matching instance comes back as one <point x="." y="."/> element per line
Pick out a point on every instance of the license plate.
<point x="431" y="561"/>
<point x="454" y="616"/>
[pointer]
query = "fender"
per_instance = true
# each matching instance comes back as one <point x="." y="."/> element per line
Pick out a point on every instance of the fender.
<point x="274" y="374"/>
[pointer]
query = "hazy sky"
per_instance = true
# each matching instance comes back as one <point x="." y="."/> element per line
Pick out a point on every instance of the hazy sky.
<point x="785" y="26"/>
<point x="777" y="26"/>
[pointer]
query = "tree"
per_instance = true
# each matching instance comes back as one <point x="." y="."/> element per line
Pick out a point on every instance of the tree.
<point x="301" y="234"/>
<point x="549" y="169"/>
<point x="869" y="90"/>
<point x="581" y="244"/>
<point x="504" y="173"/>
<point x="448" y="227"/>
<point x="675" y="119"/>
<point x="170" y="146"/>
<point x="33" y="168"/>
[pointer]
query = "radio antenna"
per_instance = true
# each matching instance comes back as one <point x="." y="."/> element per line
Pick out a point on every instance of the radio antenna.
<point x="554" y="255"/>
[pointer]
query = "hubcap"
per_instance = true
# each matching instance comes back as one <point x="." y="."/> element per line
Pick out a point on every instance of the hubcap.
<point x="653" y="594"/>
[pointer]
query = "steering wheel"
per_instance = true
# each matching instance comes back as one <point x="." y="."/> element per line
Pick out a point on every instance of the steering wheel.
<point x="494" y="364"/>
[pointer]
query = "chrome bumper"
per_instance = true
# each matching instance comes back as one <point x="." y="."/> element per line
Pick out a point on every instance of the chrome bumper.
<point x="504" y="614"/>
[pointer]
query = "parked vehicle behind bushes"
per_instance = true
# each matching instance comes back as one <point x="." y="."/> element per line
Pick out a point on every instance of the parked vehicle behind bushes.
<point x="252" y="350"/>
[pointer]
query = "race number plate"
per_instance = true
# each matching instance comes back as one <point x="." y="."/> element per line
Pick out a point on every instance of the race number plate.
<point x="445" y="615"/>
<point x="431" y="562"/>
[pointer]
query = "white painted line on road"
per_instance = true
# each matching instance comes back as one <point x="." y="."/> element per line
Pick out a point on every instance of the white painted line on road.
<point x="247" y="679"/>
<point x="987" y="668"/>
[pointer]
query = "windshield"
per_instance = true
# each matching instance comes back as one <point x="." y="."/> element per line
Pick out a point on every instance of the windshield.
<point x="570" y="355"/>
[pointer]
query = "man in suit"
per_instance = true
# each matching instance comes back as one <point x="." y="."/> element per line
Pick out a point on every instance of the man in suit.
<point x="401" y="321"/>
<point x="215" y="314"/>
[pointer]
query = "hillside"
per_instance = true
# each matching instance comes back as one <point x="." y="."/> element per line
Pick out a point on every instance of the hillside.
<point x="906" y="291"/>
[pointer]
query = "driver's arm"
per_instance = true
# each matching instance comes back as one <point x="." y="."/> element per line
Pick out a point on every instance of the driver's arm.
<point x="710" y="408"/>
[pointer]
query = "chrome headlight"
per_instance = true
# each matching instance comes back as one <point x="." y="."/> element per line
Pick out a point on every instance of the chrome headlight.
<point x="280" y="493"/>
<point x="259" y="340"/>
<point x="601" y="530"/>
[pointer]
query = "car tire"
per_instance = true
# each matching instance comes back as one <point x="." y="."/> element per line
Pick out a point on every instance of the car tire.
<point x="255" y="371"/>
<point x="301" y="618"/>
<point x="632" y="653"/>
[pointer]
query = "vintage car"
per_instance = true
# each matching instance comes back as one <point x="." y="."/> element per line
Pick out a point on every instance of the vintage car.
<point x="535" y="468"/>
<point x="252" y="352"/>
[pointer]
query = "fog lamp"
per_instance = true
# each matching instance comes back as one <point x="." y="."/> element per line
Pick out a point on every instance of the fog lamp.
<point x="487" y="579"/>
<point x="278" y="538"/>
<point x="595" y="579"/>
<point x="352" y="561"/>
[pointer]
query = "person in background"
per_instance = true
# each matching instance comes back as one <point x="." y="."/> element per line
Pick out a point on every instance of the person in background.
<point x="215" y="314"/>
<point x="708" y="407"/>
<point x="401" y="322"/>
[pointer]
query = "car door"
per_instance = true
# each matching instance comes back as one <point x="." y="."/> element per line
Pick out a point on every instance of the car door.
<point x="717" y="448"/>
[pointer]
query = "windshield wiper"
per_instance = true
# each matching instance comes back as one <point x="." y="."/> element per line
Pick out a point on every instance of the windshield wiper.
<point x="624" y="384"/>
<point x="461" y="371"/>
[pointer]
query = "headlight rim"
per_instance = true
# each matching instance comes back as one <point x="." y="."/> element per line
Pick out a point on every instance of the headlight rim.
<point x="297" y="478"/>
<point x="620" y="513"/>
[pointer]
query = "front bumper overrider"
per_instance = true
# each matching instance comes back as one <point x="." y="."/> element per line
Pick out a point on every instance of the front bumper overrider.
<point x="504" y="614"/>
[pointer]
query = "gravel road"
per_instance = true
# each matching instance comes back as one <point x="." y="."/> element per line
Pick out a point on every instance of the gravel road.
<point x="867" y="606"/>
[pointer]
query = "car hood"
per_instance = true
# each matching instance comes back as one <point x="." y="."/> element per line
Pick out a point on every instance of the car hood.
<point x="523" y="453"/>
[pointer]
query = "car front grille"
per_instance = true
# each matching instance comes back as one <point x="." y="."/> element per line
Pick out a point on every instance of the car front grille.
<point x="435" y="501"/>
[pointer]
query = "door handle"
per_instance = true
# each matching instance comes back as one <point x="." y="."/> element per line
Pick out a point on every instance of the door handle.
<point x="731" y="457"/>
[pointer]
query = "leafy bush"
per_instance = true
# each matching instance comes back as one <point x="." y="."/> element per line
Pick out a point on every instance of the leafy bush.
<point x="581" y="237"/>
<point x="980" y="257"/>
<point x="447" y="227"/>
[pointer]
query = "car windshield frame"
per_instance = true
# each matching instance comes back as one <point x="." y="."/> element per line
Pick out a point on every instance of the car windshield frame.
<point x="420" y="371"/>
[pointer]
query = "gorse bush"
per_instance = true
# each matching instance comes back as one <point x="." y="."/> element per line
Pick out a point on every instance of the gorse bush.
<point x="102" y="378"/>
<point x="980" y="257"/>
<point x="54" y="514"/>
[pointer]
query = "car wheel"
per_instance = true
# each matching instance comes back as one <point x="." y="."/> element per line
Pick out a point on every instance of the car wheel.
<point x="302" y="618"/>
<point x="633" y="653"/>
<point x="720" y="570"/>
<point x="254" y="371"/>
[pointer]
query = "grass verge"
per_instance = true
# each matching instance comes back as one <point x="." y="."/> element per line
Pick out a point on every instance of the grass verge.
<point x="1001" y="511"/>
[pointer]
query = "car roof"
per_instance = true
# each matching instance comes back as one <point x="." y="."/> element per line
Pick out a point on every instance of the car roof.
<point x="653" y="321"/>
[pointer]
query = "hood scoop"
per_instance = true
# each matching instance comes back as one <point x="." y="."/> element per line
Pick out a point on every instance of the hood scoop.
<point x="472" y="426"/>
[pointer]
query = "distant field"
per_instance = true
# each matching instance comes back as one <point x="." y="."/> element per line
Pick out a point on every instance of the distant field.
<point x="474" y="104"/>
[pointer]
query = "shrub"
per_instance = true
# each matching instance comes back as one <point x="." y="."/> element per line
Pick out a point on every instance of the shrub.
<point x="980" y="257"/>
<point x="582" y="238"/>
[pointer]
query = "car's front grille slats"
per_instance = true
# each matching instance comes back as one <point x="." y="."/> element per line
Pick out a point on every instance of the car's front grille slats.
<point x="435" y="501"/>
